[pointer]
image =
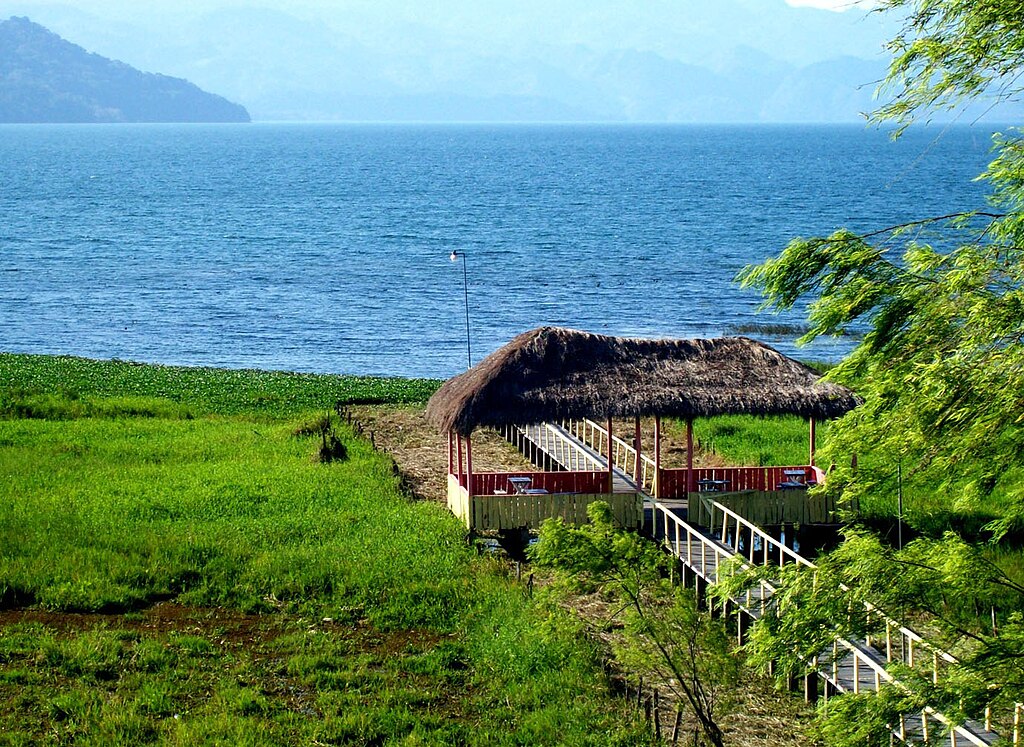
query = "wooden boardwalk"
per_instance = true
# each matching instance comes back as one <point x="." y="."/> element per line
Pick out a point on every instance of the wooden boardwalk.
<point x="569" y="453"/>
<point x="848" y="666"/>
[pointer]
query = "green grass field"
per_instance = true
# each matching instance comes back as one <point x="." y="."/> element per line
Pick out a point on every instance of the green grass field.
<point x="751" y="441"/>
<point x="312" y="603"/>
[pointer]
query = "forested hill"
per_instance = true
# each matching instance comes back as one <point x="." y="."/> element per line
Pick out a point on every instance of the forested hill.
<point x="44" y="78"/>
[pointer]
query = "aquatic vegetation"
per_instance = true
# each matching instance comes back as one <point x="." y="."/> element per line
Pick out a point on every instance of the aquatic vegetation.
<point x="205" y="390"/>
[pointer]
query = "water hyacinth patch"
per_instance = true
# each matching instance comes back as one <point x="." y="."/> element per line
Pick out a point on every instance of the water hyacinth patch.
<point x="205" y="390"/>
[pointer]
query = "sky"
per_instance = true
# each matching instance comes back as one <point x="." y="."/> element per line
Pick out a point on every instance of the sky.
<point x="838" y="6"/>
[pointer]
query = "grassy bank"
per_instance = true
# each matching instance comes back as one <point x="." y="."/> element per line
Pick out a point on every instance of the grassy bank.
<point x="752" y="441"/>
<point x="193" y="575"/>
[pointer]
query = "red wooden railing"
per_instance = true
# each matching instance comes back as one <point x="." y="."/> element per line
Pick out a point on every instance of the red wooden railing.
<point x="673" y="481"/>
<point x="488" y="483"/>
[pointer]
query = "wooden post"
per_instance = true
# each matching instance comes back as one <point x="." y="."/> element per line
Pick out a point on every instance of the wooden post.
<point x="700" y="588"/>
<point x="657" y="715"/>
<point x="689" y="456"/>
<point x="742" y="625"/>
<point x="637" y="471"/>
<point x="813" y="440"/>
<point x="451" y="458"/>
<point x="657" y="457"/>
<point x="458" y="441"/>
<point x="811" y="687"/>
<point x="611" y="458"/>
<point x="469" y="463"/>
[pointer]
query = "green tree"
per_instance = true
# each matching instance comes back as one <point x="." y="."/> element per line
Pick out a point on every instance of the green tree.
<point x="941" y="369"/>
<point x="941" y="298"/>
<point x="664" y="631"/>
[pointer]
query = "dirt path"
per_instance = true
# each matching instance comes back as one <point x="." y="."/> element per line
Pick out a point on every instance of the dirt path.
<point x="422" y="453"/>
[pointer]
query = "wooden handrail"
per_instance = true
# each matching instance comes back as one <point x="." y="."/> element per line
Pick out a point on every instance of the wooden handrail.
<point x="797" y="558"/>
<point x="624" y="455"/>
<point x="580" y="429"/>
<point x="861" y="657"/>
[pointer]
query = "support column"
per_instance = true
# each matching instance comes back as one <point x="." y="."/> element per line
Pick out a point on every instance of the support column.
<point x="451" y="458"/>
<point x="742" y="626"/>
<point x="469" y="463"/>
<point x="611" y="461"/>
<point x="700" y="588"/>
<point x="689" y="578"/>
<point x="811" y="687"/>
<point x="459" y="472"/>
<point x="813" y="439"/>
<point x="690" y="487"/>
<point x="638" y="467"/>
<point x="657" y="457"/>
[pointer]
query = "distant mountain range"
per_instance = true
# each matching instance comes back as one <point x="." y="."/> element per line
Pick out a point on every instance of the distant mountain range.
<point x="44" y="78"/>
<point x="528" y="61"/>
<point x="466" y="60"/>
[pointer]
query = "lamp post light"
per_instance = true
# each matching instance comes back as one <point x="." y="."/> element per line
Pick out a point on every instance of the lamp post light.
<point x="465" y="289"/>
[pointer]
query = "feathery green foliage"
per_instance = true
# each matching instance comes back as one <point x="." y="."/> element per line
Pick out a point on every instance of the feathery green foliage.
<point x="950" y="51"/>
<point x="941" y="370"/>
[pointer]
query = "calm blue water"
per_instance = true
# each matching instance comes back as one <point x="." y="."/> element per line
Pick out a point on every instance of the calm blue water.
<point x="325" y="248"/>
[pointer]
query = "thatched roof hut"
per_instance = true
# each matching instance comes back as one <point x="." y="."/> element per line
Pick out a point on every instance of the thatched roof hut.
<point x="552" y="373"/>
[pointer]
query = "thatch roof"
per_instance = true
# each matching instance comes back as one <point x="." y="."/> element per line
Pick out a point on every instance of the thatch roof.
<point x="551" y="373"/>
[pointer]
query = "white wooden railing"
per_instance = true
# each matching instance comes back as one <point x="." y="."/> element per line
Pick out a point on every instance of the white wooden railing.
<point x="762" y="549"/>
<point x="624" y="455"/>
<point x="562" y="448"/>
<point x="747" y="545"/>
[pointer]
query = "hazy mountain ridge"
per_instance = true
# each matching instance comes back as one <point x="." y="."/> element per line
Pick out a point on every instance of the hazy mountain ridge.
<point x="44" y="78"/>
<point x="466" y="60"/>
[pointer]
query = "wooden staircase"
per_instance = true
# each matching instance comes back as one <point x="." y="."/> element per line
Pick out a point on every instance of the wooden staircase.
<point x="847" y="666"/>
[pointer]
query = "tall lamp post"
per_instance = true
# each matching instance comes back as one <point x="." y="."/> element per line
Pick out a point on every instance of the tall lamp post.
<point x="465" y="289"/>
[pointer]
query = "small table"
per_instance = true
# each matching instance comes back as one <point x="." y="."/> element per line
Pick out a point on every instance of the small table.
<point x="712" y="486"/>
<point x="795" y="479"/>
<point x="520" y="485"/>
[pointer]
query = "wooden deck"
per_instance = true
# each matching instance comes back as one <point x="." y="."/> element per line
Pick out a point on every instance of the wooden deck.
<point x="752" y="491"/>
<point x="518" y="511"/>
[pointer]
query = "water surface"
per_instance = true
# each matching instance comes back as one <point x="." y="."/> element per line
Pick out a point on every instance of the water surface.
<point x="326" y="247"/>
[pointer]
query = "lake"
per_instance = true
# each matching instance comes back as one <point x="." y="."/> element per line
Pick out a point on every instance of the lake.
<point x="326" y="248"/>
